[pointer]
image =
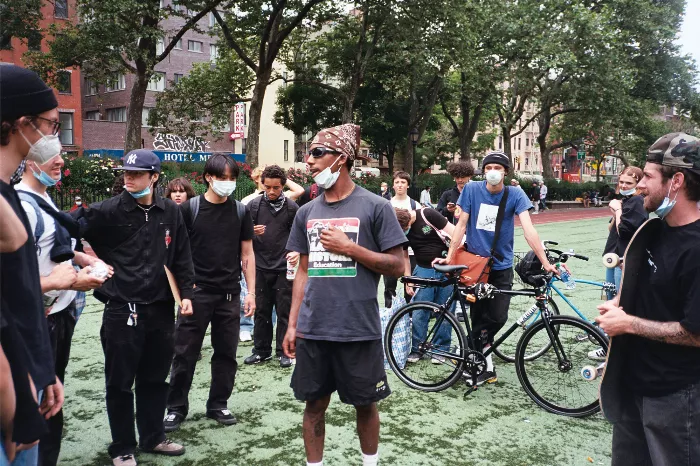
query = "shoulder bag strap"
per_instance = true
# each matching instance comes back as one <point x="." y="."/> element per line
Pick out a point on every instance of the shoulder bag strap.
<point x="438" y="232"/>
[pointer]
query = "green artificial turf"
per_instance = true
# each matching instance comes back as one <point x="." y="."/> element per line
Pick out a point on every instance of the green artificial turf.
<point x="497" y="425"/>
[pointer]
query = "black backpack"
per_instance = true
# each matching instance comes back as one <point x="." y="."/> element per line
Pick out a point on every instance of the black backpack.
<point x="529" y="268"/>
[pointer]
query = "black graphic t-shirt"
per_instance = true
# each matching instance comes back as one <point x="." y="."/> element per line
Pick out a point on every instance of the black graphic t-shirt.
<point x="668" y="291"/>
<point x="425" y="242"/>
<point x="340" y="299"/>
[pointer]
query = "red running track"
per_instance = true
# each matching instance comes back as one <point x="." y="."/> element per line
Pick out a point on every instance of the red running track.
<point x="567" y="215"/>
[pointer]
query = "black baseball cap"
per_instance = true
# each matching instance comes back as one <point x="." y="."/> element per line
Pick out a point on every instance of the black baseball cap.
<point x="140" y="160"/>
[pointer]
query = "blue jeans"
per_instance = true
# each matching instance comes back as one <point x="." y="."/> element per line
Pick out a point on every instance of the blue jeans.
<point x="421" y="319"/>
<point x="27" y="457"/>
<point x="613" y="275"/>
<point x="248" y="324"/>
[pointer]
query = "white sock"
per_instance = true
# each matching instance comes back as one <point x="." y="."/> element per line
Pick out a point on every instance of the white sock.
<point x="320" y="463"/>
<point x="370" y="460"/>
<point x="489" y="359"/>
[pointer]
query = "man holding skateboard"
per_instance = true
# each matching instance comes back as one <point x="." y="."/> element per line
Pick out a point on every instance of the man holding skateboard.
<point x="653" y="397"/>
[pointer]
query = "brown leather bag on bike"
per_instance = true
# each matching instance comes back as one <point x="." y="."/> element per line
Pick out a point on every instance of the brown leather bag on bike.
<point x="479" y="267"/>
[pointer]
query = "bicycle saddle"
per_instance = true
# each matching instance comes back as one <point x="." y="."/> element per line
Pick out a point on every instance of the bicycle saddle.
<point x="450" y="268"/>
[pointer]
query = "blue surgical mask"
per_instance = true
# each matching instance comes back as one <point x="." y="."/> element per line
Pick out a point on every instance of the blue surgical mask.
<point x="45" y="179"/>
<point x="139" y="194"/>
<point x="405" y="232"/>
<point x="628" y="192"/>
<point x="666" y="205"/>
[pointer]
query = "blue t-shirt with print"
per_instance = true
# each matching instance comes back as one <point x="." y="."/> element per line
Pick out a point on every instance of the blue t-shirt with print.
<point x="482" y="207"/>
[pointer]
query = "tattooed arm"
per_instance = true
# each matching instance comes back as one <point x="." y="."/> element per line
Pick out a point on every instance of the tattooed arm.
<point x="672" y="333"/>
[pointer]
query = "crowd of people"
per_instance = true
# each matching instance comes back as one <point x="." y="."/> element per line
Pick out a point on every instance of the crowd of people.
<point x="305" y="265"/>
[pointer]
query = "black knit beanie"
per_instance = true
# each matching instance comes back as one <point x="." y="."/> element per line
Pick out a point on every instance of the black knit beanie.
<point x="23" y="93"/>
<point x="496" y="157"/>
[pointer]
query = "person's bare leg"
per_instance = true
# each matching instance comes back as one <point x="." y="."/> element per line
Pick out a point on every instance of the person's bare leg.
<point x="368" y="428"/>
<point x="314" y="428"/>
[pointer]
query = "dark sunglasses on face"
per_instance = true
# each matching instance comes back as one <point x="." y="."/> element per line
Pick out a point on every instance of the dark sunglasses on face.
<point x="319" y="152"/>
<point x="56" y="125"/>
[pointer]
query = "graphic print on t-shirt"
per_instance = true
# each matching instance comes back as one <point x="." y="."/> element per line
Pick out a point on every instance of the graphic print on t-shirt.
<point x="487" y="217"/>
<point x="326" y="264"/>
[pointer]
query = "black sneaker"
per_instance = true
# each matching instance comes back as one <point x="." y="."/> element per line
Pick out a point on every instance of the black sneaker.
<point x="172" y="421"/>
<point x="485" y="377"/>
<point x="222" y="416"/>
<point x="256" y="359"/>
<point x="285" y="361"/>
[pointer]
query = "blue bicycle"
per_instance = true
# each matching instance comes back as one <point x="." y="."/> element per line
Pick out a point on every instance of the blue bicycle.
<point x="521" y="306"/>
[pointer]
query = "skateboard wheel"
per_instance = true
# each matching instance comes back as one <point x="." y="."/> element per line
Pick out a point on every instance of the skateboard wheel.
<point x="589" y="373"/>
<point x="611" y="260"/>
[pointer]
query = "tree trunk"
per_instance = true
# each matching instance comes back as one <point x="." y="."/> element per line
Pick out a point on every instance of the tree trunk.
<point x="465" y="148"/>
<point x="348" y="108"/>
<point x="546" y="156"/>
<point x="506" y="144"/>
<point x="132" y="138"/>
<point x="254" y="116"/>
<point x="390" y="158"/>
<point x="544" y="123"/>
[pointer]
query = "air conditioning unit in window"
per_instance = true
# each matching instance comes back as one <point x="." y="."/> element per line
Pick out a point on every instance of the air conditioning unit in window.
<point x="358" y="162"/>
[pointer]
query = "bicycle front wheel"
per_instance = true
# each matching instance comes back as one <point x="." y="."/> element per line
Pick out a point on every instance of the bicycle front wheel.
<point x="561" y="380"/>
<point x="519" y="305"/>
<point x="435" y="360"/>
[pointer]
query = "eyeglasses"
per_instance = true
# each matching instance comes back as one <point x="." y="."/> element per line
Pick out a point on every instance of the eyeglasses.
<point x="318" y="152"/>
<point x="56" y="125"/>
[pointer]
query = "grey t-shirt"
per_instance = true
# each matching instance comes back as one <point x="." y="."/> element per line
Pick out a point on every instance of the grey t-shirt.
<point x="340" y="299"/>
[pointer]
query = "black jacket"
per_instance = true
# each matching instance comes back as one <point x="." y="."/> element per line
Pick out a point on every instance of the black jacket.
<point x="633" y="216"/>
<point x="451" y="195"/>
<point x="119" y="234"/>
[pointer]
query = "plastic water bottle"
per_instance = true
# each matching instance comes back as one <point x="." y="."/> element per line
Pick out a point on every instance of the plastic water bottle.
<point x="566" y="277"/>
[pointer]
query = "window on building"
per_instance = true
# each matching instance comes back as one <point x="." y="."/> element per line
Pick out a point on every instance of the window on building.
<point x="90" y="87"/>
<point x="284" y="76"/>
<point x="145" y="112"/>
<point x="161" y="4"/>
<point x="527" y="161"/>
<point x="527" y="142"/>
<point x="92" y="115"/>
<point x="34" y="40"/>
<point x="66" y="133"/>
<point x="194" y="46"/>
<point x="60" y="8"/>
<point x="116" y="114"/>
<point x="178" y="77"/>
<point x="213" y="52"/>
<point x="116" y="83"/>
<point x="299" y="157"/>
<point x="157" y="82"/>
<point x="178" y="44"/>
<point x="500" y="142"/>
<point x="63" y="83"/>
<point x="519" y="141"/>
<point x="5" y="41"/>
<point x="286" y="150"/>
<point x="212" y="20"/>
<point x="160" y="46"/>
<point x="243" y="145"/>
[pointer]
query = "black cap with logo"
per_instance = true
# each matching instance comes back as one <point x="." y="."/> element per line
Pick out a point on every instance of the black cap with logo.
<point x="142" y="160"/>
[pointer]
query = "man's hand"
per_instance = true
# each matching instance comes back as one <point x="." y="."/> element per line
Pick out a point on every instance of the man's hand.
<point x="259" y="230"/>
<point x="293" y="258"/>
<point x="615" y="204"/>
<point x="249" y="305"/>
<point x="613" y="320"/>
<point x="289" y="344"/>
<point x="87" y="282"/>
<point x="439" y="261"/>
<point x="551" y="268"/>
<point x="186" y="308"/>
<point x="53" y="399"/>
<point x="409" y="289"/>
<point x="451" y="206"/>
<point x="336" y="241"/>
<point x="63" y="276"/>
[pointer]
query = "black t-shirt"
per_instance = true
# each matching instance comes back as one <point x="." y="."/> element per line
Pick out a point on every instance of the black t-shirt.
<point x="21" y="298"/>
<point x="425" y="242"/>
<point x="271" y="247"/>
<point x="633" y="216"/>
<point x="668" y="291"/>
<point x="215" y="239"/>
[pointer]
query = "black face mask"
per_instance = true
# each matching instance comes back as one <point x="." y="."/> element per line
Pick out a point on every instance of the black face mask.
<point x="17" y="175"/>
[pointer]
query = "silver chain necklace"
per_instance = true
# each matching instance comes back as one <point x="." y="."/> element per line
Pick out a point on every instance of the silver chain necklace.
<point x="145" y="210"/>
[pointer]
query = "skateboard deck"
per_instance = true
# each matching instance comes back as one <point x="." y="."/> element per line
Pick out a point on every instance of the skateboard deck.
<point x="633" y="261"/>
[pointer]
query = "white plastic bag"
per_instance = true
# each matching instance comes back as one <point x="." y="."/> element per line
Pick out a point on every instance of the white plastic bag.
<point x="401" y="337"/>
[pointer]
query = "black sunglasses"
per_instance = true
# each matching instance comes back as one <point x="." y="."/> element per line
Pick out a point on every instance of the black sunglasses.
<point x="56" y="125"/>
<point x="318" y="152"/>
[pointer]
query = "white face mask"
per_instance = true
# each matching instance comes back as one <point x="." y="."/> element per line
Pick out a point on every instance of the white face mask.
<point x="383" y="188"/>
<point x="44" y="149"/>
<point x="223" y="188"/>
<point x="78" y="203"/>
<point x="326" y="178"/>
<point x="493" y="177"/>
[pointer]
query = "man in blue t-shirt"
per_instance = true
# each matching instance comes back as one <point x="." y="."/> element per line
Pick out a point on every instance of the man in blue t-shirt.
<point x="479" y="202"/>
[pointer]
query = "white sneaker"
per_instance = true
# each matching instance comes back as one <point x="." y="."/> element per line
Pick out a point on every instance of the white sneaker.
<point x="597" y="355"/>
<point x="245" y="336"/>
<point x="124" y="460"/>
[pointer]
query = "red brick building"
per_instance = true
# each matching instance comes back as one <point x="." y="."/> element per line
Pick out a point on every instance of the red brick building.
<point x="67" y="90"/>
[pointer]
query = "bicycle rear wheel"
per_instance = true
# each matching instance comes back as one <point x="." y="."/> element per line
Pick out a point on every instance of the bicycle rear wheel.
<point x="438" y="364"/>
<point x="560" y="379"/>
<point x="518" y="306"/>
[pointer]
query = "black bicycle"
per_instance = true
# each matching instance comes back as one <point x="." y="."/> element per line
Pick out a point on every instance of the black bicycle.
<point x="551" y="358"/>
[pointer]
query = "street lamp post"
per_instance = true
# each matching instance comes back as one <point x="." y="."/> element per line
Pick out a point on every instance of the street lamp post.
<point x="414" y="140"/>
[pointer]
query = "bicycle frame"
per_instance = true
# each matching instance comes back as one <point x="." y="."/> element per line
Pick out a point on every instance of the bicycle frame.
<point x="551" y="286"/>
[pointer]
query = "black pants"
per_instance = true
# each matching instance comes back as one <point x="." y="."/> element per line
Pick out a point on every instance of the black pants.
<point x="223" y="312"/>
<point x="490" y="315"/>
<point x="272" y="289"/>
<point x="140" y="354"/>
<point x="61" y="326"/>
<point x="659" y="430"/>
<point x="390" y="284"/>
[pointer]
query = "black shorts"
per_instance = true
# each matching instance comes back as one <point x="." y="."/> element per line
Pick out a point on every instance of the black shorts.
<point x="354" y="369"/>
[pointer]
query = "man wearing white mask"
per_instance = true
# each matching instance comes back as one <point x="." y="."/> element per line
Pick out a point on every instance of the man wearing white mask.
<point x="221" y="236"/>
<point x="480" y="202"/>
